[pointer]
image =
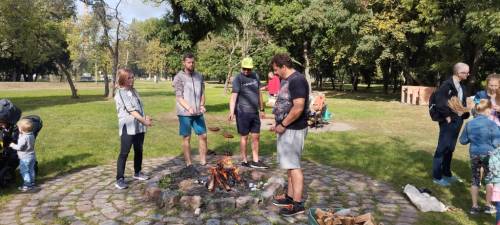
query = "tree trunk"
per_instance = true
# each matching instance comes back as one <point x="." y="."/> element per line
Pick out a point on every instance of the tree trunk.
<point x="395" y="83"/>
<point x="355" y="81"/>
<point x="106" y="82"/>
<point x="332" y="79"/>
<point x="64" y="70"/>
<point x="307" y="66"/>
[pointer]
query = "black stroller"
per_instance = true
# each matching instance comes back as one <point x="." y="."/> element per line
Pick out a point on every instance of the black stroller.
<point x="9" y="115"/>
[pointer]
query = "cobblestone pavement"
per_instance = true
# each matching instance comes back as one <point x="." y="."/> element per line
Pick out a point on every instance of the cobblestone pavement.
<point x="88" y="196"/>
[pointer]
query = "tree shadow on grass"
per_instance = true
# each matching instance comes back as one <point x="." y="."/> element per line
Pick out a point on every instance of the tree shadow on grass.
<point x="63" y="165"/>
<point x="156" y="92"/>
<point x="363" y="95"/>
<point x="32" y="103"/>
<point x="221" y="107"/>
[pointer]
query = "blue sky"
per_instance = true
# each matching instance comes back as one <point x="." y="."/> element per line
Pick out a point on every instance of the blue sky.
<point x="130" y="9"/>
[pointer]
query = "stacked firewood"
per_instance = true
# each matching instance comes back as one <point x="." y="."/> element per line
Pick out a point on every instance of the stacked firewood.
<point x="224" y="175"/>
<point x="330" y="218"/>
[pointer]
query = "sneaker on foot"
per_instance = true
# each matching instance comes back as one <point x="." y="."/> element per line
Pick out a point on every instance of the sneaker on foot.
<point x="490" y="209"/>
<point x="452" y="179"/>
<point x="24" y="188"/>
<point x="258" y="165"/>
<point x="120" y="184"/>
<point x="140" y="176"/>
<point x="245" y="164"/>
<point x="441" y="182"/>
<point x="282" y="200"/>
<point x="292" y="210"/>
<point x="474" y="210"/>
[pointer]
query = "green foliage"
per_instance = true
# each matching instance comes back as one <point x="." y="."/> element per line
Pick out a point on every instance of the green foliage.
<point x="31" y="36"/>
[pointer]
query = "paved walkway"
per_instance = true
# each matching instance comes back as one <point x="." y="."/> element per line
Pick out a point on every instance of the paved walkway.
<point x="89" y="197"/>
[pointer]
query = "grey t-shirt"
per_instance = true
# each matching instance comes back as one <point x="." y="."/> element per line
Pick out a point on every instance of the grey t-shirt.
<point x="247" y="88"/>
<point x="190" y="88"/>
<point x="25" y="145"/>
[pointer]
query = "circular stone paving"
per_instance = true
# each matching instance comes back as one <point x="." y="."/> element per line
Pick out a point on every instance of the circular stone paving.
<point x="89" y="197"/>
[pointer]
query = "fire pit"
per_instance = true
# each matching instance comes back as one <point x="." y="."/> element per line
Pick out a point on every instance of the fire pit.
<point x="224" y="175"/>
<point x="218" y="187"/>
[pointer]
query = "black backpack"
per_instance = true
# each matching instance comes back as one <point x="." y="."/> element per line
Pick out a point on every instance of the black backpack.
<point x="435" y="115"/>
<point x="37" y="123"/>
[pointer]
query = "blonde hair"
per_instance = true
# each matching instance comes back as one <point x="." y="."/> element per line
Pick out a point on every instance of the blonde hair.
<point x="25" y="125"/>
<point x="491" y="77"/>
<point x="122" y="75"/>
<point x="483" y="105"/>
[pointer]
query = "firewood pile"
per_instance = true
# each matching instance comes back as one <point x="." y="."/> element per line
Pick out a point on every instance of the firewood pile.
<point x="329" y="217"/>
<point x="224" y="175"/>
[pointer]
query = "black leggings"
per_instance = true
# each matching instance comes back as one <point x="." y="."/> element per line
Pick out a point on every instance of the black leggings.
<point x="126" y="143"/>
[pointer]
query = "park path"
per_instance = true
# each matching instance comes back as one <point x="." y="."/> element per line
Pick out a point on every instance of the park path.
<point x="88" y="196"/>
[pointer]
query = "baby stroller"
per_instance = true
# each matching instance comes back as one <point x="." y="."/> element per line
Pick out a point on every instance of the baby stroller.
<point x="9" y="115"/>
<point x="317" y="108"/>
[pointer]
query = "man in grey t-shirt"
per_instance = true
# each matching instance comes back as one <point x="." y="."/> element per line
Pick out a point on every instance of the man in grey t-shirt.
<point x="245" y="104"/>
<point x="190" y="95"/>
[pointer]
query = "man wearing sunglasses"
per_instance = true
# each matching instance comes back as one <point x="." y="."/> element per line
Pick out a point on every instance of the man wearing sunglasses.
<point x="247" y="107"/>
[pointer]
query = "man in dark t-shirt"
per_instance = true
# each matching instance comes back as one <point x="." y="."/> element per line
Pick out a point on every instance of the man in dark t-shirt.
<point x="247" y="106"/>
<point x="290" y="113"/>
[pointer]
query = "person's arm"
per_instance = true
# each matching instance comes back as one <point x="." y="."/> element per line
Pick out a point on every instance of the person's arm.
<point x="464" y="137"/>
<point x="232" y="105"/>
<point x="143" y="120"/>
<point x="234" y="96"/>
<point x="20" y="146"/>
<point x="294" y="114"/>
<point x="202" y="99"/>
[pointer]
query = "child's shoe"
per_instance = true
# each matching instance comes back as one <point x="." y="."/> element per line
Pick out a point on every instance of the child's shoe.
<point x="441" y="182"/>
<point x="25" y="188"/>
<point x="490" y="209"/>
<point x="474" y="210"/>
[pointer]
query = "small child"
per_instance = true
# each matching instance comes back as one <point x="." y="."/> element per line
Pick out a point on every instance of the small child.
<point x="26" y="152"/>
<point x="483" y="136"/>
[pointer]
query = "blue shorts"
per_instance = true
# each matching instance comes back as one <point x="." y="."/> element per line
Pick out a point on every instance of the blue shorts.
<point x="247" y="123"/>
<point x="197" y="122"/>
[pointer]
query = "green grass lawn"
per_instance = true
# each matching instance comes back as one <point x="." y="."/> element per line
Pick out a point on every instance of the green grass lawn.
<point x="392" y="142"/>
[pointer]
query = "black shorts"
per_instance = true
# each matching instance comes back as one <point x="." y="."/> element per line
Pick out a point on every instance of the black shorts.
<point x="247" y="123"/>
<point x="478" y="162"/>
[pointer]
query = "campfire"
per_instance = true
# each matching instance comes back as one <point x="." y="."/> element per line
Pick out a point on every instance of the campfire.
<point x="224" y="175"/>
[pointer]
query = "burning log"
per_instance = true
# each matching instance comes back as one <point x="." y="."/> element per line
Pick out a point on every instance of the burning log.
<point x="224" y="175"/>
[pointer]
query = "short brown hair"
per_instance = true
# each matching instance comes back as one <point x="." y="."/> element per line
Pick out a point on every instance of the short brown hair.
<point x="122" y="75"/>
<point x="483" y="105"/>
<point x="26" y="125"/>
<point x="281" y="60"/>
